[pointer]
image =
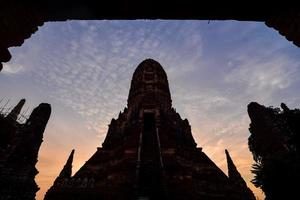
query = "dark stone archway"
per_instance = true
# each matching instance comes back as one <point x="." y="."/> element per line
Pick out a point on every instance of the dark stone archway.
<point x="20" y="19"/>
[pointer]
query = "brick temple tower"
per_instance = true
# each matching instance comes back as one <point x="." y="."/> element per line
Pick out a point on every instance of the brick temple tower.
<point x="19" y="147"/>
<point x="149" y="153"/>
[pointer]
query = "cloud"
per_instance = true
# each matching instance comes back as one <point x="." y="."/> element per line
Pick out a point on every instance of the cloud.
<point x="11" y="69"/>
<point x="87" y="66"/>
<point x="264" y="73"/>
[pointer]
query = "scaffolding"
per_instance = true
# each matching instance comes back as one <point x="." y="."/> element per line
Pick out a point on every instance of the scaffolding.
<point x="6" y="108"/>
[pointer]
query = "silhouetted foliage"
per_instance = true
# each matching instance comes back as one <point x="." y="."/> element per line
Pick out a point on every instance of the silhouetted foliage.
<point x="257" y="169"/>
<point x="274" y="143"/>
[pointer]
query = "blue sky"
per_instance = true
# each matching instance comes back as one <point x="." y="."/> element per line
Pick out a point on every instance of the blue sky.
<point x="84" y="69"/>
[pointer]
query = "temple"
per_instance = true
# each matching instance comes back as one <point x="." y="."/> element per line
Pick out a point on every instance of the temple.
<point x="149" y="153"/>
<point x="19" y="146"/>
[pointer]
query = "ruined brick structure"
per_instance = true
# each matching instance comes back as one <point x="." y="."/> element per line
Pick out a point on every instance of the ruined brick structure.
<point x="275" y="145"/>
<point x="19" y="146"/>
<point x="149" y="153"/>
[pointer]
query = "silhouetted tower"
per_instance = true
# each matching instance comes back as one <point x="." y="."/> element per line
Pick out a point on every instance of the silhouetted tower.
<point x="13" y="115"/>
<point x="66" y="172"/>
<point x="148" y="153"/>
<point x="236" y="179"/>
<point x="233" y="173"/>
<point x="19" y="156"/>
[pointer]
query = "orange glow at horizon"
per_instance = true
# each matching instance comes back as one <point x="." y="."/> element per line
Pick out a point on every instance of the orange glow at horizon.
<point x="52" y="160"/>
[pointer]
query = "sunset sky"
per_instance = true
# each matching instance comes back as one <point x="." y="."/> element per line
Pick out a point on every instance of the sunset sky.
<point x="84" y="68"/>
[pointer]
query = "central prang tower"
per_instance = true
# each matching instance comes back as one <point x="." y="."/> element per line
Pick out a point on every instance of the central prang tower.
<point x="149" y="87"/>
<point x="149" y="153"/>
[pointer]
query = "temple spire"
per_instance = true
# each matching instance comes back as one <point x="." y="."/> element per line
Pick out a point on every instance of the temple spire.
<point x="236" y="179"/>
<point x="17" y="171"/>
<point x="31" y="136"/>
<point x="233" y="173"/>
<point x="66" y="172"/>
<point x="13" y="115"/>
<point x="149" y="86"/>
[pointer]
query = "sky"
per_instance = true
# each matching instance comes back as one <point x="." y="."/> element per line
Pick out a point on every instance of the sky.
<point x="215" y="69"/>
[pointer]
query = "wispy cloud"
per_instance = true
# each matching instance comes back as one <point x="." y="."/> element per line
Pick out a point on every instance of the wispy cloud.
<point x="11" y="69"/>
<point x="90" y="69"/>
